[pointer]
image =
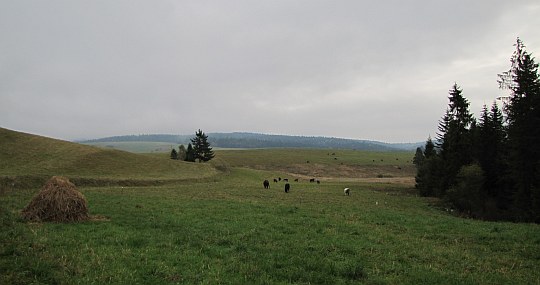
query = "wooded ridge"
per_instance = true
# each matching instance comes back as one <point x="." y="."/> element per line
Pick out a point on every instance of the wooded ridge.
<point x="254" y="140"/>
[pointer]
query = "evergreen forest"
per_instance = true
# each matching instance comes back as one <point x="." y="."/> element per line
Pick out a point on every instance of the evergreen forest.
<point x="488" y="167"/>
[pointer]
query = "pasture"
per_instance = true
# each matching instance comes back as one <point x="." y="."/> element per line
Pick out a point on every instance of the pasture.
<point x="216" y="224"/>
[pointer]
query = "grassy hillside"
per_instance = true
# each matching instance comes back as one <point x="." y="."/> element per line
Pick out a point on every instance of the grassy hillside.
<point x="324" y="164"/>
<point x="35" y="156"/>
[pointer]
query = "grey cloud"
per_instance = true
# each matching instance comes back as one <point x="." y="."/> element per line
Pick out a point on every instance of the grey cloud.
<point x="357" y="69"/>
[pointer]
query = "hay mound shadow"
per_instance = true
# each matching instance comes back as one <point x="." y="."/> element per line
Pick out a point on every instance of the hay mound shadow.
<point x="58" y="201"/>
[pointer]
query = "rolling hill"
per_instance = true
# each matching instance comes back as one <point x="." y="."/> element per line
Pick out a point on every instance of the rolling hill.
<point x="39" y="157"/>
<point x="253" y="140"/>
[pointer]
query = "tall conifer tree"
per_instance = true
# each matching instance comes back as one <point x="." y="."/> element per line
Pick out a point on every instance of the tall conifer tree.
<point x="490" y="145"/>
<point x="201" y="147"/>
<point x="523" y="115"/>
<point x="455" y="142"/>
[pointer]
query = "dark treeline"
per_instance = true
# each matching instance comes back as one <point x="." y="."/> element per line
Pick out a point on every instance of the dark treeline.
<point x="250" y="140"/>
<point x="489" y="168"/>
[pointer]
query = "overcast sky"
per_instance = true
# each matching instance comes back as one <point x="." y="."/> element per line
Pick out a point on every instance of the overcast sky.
<point x="377" y="70"/>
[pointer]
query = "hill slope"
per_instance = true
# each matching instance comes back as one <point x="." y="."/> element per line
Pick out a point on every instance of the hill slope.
<point x="252" y="140"/>
<point x="24" y="154"/>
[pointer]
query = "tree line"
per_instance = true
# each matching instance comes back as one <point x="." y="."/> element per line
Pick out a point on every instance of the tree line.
<point x="489" y="168"/>
<point x="197" y="150"/>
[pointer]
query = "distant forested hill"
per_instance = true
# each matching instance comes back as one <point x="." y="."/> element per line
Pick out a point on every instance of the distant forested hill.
<point x="253" y="140"/>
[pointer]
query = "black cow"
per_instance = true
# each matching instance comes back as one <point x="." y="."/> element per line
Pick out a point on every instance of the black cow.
<point x="275" y="180"/>
<point x="312" y="180"/>
<point x="287" y="187"/>
<point x="266" y="184"/>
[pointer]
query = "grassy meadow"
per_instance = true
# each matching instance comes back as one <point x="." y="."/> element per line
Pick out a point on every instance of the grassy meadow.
<point x="35" y="158"/>
<point x="215" y="224"/>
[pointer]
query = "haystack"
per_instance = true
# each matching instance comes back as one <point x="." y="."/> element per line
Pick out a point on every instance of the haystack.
<point x="58" y="201"/>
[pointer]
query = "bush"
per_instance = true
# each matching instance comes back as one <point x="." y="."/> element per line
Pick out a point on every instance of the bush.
<point x="467" y="195"/>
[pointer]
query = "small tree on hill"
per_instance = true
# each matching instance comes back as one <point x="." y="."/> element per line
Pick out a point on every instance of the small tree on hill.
<point x="201" y="147"/>
<point x="190" y="154"/>
<point x="182" y="152"/>
<point x="174" y="154"/>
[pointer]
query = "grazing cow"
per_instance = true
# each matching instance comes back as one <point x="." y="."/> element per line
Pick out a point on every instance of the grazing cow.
<point x="347" y="191"/>
<point x="312" y="180"/>
<point x="296" y="180"/>
<point x="287" y="187"/>
<point x="266" y="184"/>
<point x="279" y="178"/>
<point x="286" y="179"/>
<point x="318" y="182"/>
<point x="275" y="180"/>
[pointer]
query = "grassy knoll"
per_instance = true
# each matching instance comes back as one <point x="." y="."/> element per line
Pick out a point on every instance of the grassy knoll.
<point x="30" y="157"/>
<point x="228" y="230"/>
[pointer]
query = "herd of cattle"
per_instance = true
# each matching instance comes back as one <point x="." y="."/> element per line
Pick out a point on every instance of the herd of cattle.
<point x="266" y="184"/>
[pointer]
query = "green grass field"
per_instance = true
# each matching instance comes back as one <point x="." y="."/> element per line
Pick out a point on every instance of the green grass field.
<point x="222" y="227"/>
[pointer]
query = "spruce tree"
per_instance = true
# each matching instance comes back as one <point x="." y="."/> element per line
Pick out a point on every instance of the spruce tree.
<point x="201" y="147"/>
<point x="523" y="116"/>
<point x="428" y="171"/>
<point x="418" y="157"/>
<point x="174" y="154"/>
<point x="190" y="154"/>
<point x="429" y="150"/>
<point x="490" y="145"/>
<point x="455" y="140"/>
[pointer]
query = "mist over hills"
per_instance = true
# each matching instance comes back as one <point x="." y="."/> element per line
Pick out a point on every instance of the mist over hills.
<point x="254" y="140"/>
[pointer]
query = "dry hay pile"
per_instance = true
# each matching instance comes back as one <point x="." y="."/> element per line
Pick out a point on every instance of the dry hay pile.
<point x="58" y="201"/>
